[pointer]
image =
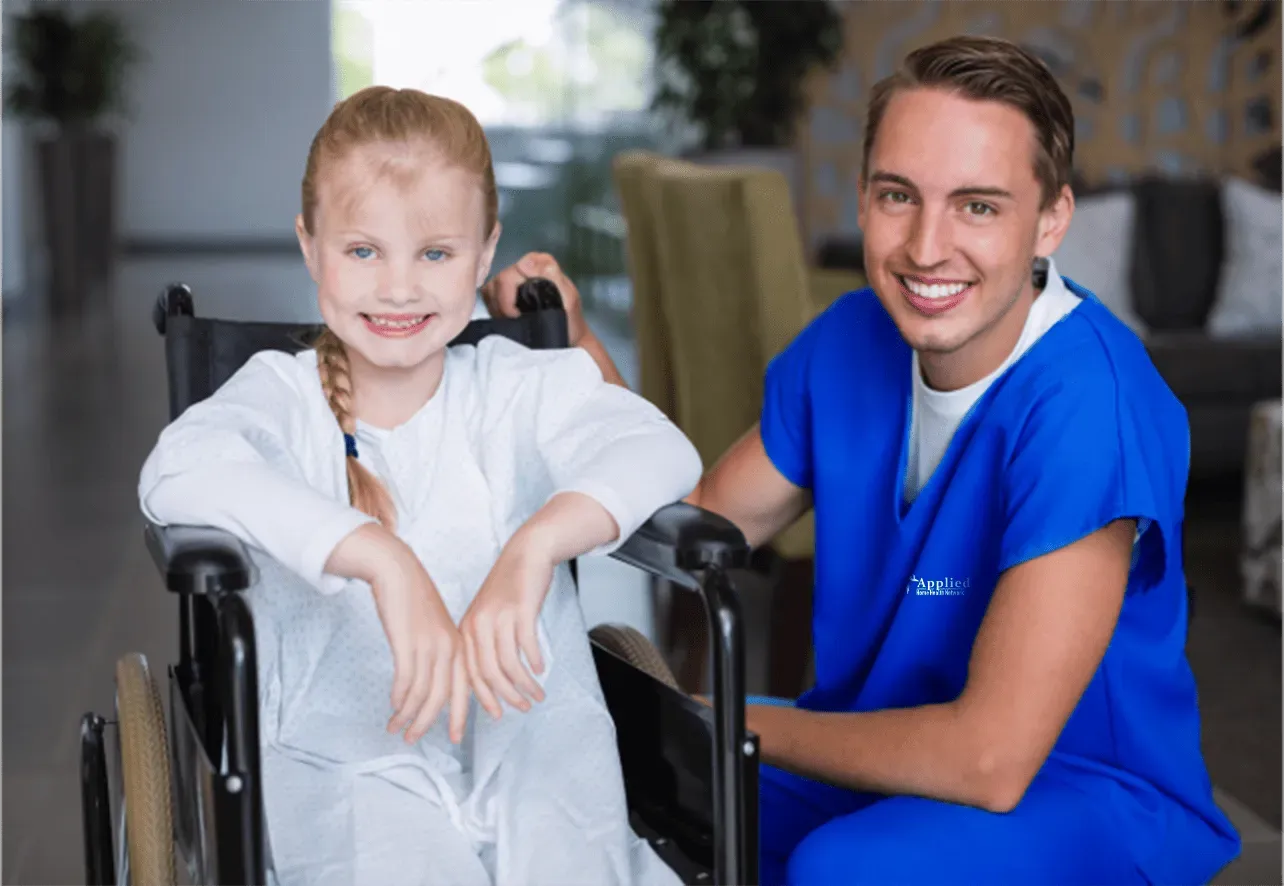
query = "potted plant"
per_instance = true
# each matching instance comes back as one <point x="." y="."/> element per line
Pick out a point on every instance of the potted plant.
<point x="734" y="71"/>
<point x="68" y="80"/>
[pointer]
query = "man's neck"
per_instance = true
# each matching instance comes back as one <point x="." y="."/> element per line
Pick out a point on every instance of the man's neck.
<point x="983" y="353"/>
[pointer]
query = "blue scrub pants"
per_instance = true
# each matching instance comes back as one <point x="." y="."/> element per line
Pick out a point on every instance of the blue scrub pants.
<point x="816" y="835"/>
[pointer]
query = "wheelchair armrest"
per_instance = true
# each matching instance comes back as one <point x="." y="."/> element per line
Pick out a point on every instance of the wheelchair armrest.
<point x="199" y="559"/>
<point x="681" y="538"/>
<point x="679" y="541"/>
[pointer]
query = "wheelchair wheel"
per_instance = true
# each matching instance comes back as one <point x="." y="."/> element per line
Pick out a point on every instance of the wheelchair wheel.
<point x="148" y="831"/>
<point x="632" y="646"/>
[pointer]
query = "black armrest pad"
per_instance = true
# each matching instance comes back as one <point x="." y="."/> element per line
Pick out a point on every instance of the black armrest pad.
<point x="680" y="538"/>
<point x="199" y="559"/>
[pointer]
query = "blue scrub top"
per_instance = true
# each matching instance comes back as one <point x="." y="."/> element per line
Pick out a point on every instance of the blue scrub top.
<point x="1078" y="432"/>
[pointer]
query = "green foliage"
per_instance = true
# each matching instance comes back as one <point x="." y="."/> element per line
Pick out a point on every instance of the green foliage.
<point x="70" y="70"/>
<point x="736" y="68"/>
<point x="546" y="79"/>
<point x="528" y="75"/>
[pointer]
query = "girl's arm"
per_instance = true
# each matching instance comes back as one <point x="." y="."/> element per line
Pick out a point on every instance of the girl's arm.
<point x="612" y="446"/>
<point x="228" y="462"/>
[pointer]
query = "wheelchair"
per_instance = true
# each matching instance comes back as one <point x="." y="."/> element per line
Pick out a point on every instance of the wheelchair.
<point x="690" y="770"/>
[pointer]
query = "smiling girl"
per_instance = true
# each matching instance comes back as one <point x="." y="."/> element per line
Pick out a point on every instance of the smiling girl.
<point x="411" y="509"/>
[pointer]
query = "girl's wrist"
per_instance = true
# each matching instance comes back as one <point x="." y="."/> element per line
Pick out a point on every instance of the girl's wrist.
<point x="569" y="525"/>
<point x="367" y="552"/>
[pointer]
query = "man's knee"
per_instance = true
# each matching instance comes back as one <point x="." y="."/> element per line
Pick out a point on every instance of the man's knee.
<point x="856" y="849"/>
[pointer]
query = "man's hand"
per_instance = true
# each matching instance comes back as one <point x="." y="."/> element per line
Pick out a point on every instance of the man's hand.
<point x="500" y="291"/>
<point x="500" y="296"/>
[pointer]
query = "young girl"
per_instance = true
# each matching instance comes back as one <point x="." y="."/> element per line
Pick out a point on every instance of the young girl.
<point x="411" y="509"/>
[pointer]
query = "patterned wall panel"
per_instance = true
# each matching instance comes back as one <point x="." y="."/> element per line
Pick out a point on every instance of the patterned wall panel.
<point x="1167" y="85"/>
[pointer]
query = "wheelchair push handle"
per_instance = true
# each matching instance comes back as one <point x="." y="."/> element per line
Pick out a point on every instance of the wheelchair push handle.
<point x="537" y="294"/>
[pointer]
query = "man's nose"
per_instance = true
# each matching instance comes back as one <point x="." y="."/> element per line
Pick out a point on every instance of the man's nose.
<point x="929" y="241"/>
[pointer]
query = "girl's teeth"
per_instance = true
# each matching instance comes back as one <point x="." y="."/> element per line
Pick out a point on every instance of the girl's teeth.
<point x="396" y="324"/>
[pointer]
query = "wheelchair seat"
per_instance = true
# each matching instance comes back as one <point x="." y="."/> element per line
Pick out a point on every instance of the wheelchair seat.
<point x="690" y="771"/>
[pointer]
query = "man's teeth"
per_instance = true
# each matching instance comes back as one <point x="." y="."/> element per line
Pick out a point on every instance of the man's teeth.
<point x="397" y="324"/>
<point x="934" y="290"/>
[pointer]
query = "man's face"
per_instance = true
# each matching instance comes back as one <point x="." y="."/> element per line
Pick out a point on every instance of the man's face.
<point x="952" y="223"/>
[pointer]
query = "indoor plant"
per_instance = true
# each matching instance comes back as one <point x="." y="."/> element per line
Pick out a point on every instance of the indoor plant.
<point x="68" y="80"/>
<point x="735" y="72"/>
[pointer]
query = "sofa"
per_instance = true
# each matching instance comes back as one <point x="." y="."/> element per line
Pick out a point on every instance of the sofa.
<point x="1193" y="266"/>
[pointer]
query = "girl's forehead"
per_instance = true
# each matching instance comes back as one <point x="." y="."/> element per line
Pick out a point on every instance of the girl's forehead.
<point x="368" y="185"/>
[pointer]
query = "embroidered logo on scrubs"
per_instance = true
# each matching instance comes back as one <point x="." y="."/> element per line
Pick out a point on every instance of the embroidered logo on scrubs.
<point x="941" y="587"/>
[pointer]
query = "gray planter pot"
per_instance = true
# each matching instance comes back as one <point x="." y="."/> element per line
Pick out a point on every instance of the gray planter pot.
<point x="78" y="190"/>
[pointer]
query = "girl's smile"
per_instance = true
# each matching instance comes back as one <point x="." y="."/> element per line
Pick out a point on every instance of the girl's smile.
<point x="397" y="325"/>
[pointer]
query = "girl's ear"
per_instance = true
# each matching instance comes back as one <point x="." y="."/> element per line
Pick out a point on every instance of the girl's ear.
<point x="488" y="256"/>
<point x="307" y="246"/>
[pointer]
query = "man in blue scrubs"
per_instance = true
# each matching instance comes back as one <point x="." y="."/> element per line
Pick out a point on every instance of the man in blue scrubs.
<point x="998" y="474"/>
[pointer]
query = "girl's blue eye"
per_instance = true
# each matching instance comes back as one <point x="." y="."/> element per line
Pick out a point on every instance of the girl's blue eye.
<point x="435" y="254"/>
<point x="362" y="251"/>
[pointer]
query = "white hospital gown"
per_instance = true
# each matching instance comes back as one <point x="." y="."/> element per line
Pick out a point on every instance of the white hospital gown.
<point x="534" y="798"/>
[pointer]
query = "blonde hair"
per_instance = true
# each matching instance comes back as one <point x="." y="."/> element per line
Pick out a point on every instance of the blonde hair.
<point x="383" y="115"/>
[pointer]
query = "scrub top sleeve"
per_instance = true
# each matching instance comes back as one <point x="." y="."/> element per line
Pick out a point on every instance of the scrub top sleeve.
<point x="1075" y="467"/>
<point x="786" y="423"/>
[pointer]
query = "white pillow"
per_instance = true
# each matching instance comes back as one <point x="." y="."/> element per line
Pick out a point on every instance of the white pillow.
<point x="1096" y="252"/>
<point x="1249" y="290"/>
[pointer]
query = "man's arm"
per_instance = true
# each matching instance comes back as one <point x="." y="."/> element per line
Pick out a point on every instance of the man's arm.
<point x="746" y="488"/>
<point x="1041" y="641"/>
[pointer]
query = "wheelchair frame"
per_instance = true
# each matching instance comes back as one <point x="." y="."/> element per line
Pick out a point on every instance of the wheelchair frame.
<point x="691" y="773"/>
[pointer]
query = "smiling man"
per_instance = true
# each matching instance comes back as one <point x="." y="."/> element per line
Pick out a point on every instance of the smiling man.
<point x="998" y="475"/>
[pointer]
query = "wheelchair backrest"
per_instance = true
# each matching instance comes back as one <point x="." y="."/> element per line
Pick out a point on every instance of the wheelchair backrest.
<point x="202" y="353"/>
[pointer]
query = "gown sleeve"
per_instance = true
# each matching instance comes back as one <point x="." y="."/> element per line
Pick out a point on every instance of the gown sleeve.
<point x="606" y="442"/>
<point x="228" y="462"/>
<point x="1084" y="458"/>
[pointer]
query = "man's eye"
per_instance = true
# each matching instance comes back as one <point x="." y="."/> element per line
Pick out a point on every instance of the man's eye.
<point x="976" y="208"/>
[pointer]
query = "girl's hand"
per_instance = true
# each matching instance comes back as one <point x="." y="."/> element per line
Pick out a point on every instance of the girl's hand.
<point x="502" y="620"/>
<point x="426" y="650"/>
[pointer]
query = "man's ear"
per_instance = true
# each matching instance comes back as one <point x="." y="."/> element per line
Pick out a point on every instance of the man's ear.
<point x="1054" y="222"/>
<point x="487" y="257"/>
<point x="307" y="246"/>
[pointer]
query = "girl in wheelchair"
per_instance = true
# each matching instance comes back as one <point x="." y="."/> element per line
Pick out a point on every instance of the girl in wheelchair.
<point x="411" y="508"/>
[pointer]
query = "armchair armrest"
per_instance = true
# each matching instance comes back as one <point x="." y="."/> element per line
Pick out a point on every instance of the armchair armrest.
<point x="199" y="559"/>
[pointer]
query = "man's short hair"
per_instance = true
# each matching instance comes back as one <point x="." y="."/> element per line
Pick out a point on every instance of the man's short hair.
<point x="989" y="69"/>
